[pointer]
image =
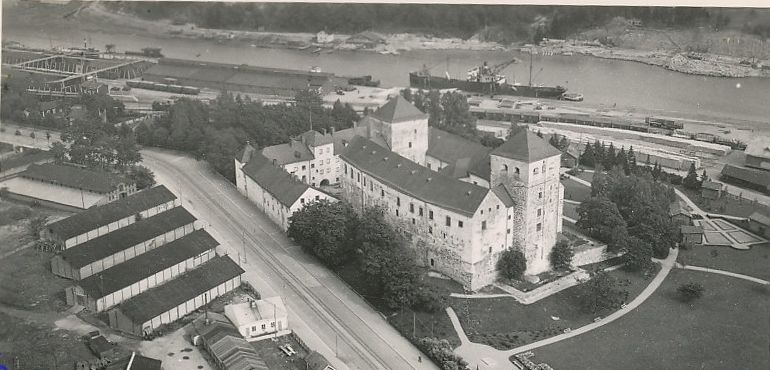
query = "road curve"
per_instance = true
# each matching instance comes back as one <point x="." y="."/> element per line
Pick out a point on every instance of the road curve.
<point x="326" y="311"/>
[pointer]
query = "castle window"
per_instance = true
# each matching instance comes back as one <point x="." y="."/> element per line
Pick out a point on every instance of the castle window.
<point x="429" y="166"/>
<point x="539" y="211"/>
<point x="312" y="165"/>
<point x="483" y="225"/>
<point x="509" y="231"/>
<point x="497" y="207"/>
<point x="304" y="167"/>
<point x="505" y="168"/>
<point x="411" y="207"/>
<point x="302" y="200"/>
<point x="415" y="131"/>
<point x="430" y="215"/>
<point x="420" y="211"/>
<point x="539" y="226"/>
<point x="540" y="195"/>
<point x="410" y="144"/>
<point x="317" y="197"/>
<point x="509" y="217"/>
<point x="396" y="212"/>
<point x="448" y="221"/>
<point x="371" y="186"/>
<point x="490" y="249"/>
<point x="482" y="211"/>
<point x="517" y="170"/>
<point x="459" y="224"/>
<point x="359" y="176"/>
<point x="535" y="171"/>
<point x="398" y="201"/>
<point x="337" y="179"/>
<point x="413" y="221"/>
<point x="382" y="193"/>
<point x="430" y="229"/>
<point x="346" y="169"/>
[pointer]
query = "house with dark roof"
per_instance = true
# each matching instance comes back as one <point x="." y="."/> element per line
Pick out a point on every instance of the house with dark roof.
<point x="101" y="253"/>
<point x="691" y="234"/>
<point x="121" y="282"/>
<point x="225" y="344"/>
<point x="68" y="186"/>
<point x="679" y="213"/>
<point x="711" y="190"/>
<point x="100" y="220"/>
<point x="164" y="304"/>
<point x="758" y="154"/>
<point x="455" y="156"/>
<point x="275" y="192"/>
<point x="135" y="361"/>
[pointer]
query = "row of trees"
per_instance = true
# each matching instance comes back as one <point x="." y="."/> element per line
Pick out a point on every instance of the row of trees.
<point x="215" y="132"/>
<point x="599" y="154"/>
<point x="494" y="22"/>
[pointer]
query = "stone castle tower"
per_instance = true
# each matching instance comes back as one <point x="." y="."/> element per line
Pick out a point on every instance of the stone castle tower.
<point x="402" y="127"/>
<point x="528" y="167"/>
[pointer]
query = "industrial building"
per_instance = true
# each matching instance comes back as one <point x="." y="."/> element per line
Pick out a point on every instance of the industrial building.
<point x="98" y="221"/>
<point x="239" y="78"/>
<point x="99" y="254"/>
<point x="164" y="304"/>
<point x="119" y="283"/>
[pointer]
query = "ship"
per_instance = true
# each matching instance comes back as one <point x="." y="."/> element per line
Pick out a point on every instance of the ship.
<point x="485" y="79"/>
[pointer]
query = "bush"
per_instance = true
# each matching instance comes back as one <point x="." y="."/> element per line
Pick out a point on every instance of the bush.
<point x="440" y="351"/>
<point x="428" y="299"/>
<point x="17" y="133"/>
<point x="562" y="254"/>
<point x="602" y="293"/>
<point x="32" y="135"/>
<point x="35" y="225"/>
<point x="690" y="291"/>
<point x="512" y="264"/>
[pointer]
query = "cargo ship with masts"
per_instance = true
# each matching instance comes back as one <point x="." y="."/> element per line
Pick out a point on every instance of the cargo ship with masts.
<point x="486" y="79"/>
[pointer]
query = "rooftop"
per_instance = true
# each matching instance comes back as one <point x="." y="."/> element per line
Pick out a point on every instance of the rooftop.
<point x="750" y="175"/>
<point x="398" y="109"/>
<point x="96" y="217"/>
<point x="74" y="177"/>
<point x="138" y="362"/>
<point x="279" y="183"/>
<point x="155" y="301"/>
<point x="129" y="272"/>
<point x="126" y="237"/>
<point x="711" y="185"/>
<point x="314" y="138"/>
<point x="246" y="153"/>
<point x="291" y="152"/>
<point x="758" y="147"/>
<point x="526" y="146"/>
<point x="243" y="314"/>
<point x="691" y="229"/>
<point x="235" y="353"/>
<point x="410" y="178"/>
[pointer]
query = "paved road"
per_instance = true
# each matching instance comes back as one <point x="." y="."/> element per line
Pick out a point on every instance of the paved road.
<point x="40" y="141"/>
<point x="323" y="310"/>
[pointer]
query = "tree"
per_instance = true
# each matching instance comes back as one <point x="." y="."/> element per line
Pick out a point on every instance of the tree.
<point x="512" y="264"/>
<point x="491" y="141"/>
<point x="602" y="293"/>
<point x="691" y="180"/>
<point x="142" y="176"/>
<point x="324" y="229"/>
<point x="400" y="280"/>
<point x="442" y="353"/>
<point x="588" y="157"/>
<point x="638" y="257"/>
<point x="622" y="160"/>
<point x="539" y="133"/>
<point x="554" y="141"/>
<point x="599" y="218"/>
<point x="59" y="151"/>
<point x="562" y="254"/>
<point x="428" y="299"/>
<point x="704" y="177"/>
<point x="36" y="225"/>
<point x="689" y="292"/>
<point x="610" y="157"/>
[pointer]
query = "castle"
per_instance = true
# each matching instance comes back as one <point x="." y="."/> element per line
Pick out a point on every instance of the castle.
<point x="459" y="204"/>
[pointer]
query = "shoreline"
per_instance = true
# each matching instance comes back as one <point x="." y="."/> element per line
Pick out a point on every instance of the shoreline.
<point x="705" y="64"/>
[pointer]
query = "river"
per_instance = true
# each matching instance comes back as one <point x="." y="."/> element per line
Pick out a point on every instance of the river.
<point x="601" y="81"/>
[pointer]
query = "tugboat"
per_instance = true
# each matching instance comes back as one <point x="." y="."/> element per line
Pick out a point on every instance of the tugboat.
<point x="485" y="79"/>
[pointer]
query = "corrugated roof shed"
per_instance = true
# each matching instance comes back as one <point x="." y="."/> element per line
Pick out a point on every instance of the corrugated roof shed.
<point x="711" y="185"/>
<point x="96" y="217"/>
<point x="235" y="353"/>
<point x="526" y="146"/>
<point x="118" y="240"/>
<point x="398" y="109"/>
<point x="139" y="363"/>
<point x="129" y="272"/>
<point x="757" y="177"/>
<point x="413" y="179"/>
<point x="274" y="180"/>
<point x="158" y="300"/>
<point x="74" y="177"/>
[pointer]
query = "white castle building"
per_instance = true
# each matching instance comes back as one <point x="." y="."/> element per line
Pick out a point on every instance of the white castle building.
<point x="459" y="204"/>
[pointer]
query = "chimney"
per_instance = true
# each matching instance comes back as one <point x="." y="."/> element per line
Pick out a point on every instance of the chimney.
<point x="324" y="131"/>
<point x="333" y="129"/>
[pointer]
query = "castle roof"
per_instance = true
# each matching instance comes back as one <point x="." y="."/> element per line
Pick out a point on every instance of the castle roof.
<point x="526" y="146"/>
<point x="314" y="138"/>
<point x="398" y="109"/>
<point x="464" y="156"/>
<point x="246" y="153"/>
<point x="410" y="178"/>
<point x="291" y="152"/>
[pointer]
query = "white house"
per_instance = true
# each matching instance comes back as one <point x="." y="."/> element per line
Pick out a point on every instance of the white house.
<point x="260" y="317"/>
<point x="276" y="192"/>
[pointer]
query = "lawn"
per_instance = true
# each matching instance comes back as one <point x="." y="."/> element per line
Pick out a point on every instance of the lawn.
<point x="753" y="262"/>
<point x="26" y="282"/>
<point x="574" y="190"/>
<point x="726" y="329"/>
<point x="407" y="322"/>
<point x="587" y="176"/>
<point x="276" y="359"/>
<point x="38" y="346"/>
<point x="570" y="210"/>
<point x="504" y="323"/>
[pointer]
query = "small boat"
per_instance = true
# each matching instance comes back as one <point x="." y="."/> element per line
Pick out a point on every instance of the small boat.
<point x="317" y="51"/>
<point x="572" y="97"/>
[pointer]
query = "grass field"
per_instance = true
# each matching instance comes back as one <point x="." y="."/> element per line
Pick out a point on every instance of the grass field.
<point x="753" y="262"/>
<point x="726" y="205"/>
<point x="504" y="323"/>
<point x="574" y="190"/>
<point x="726" y="329"/>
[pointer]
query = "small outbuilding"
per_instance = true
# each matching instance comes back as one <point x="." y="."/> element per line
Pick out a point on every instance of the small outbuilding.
<point x="759" y="223"/>
<point x="692" y="235"/>
<point x="711" y="190"/>
<point x="258" y="317"/>
<point x="679" y="214"/>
